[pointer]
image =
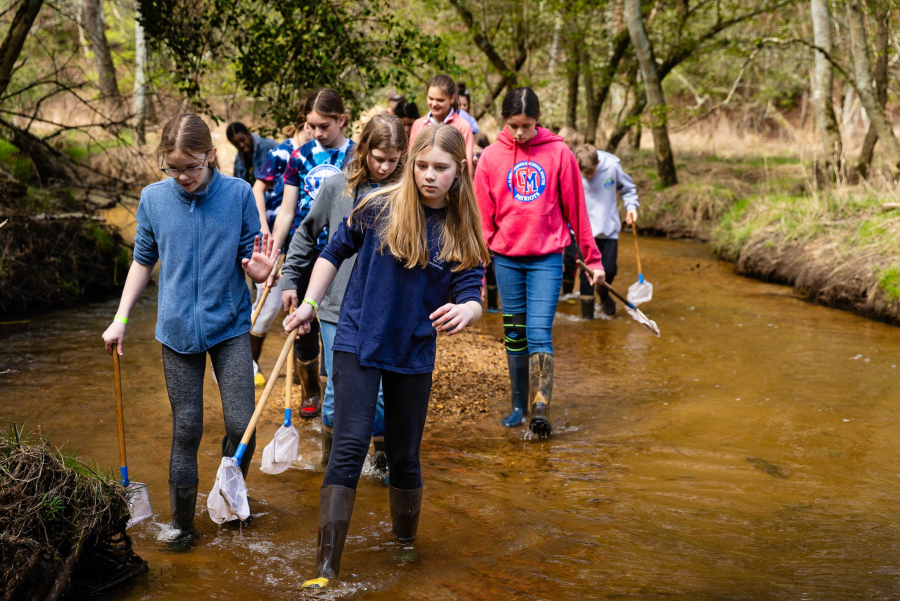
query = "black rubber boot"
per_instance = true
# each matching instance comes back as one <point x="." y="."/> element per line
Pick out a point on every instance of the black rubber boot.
<point x="406" y="505"/>
<point x="327" y="440"/>
<point x="567" y="286"/>
<point x="493" y="304"/>
<point x="184" y="505"/>
<point x="335" y="509"/>
<point x="256" y="344"/>
<point x="607" y="302"/>
<point x="587" y="307"/>
<point x="306" y="373"/>
<point x="228" y="450"/>
<point x="540" y="391"/>
<point x="518" y="390"/>
<point x="379" y="459"/>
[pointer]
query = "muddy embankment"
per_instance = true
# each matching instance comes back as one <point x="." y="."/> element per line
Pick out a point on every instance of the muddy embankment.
<point x="837" y="247"/>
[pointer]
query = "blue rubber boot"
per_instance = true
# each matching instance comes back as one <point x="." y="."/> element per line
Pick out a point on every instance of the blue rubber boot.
<point x="518" y="389"/>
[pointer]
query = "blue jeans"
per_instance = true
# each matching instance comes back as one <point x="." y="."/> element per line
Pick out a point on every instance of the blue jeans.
<point x="530" y="286"/>
<point x="328" y="332"/>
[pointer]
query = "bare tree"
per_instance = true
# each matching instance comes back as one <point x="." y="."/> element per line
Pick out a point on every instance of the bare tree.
<point x="643" y="49"/>
<point x="866" y="89"/>
<point x="94" y="24"/>
<point x="882" y="41"/>
<point x="824" y="89"/>
<point x="573" y="72"/>
<point x="15" y="39"/>
<point x="140" y="80"/>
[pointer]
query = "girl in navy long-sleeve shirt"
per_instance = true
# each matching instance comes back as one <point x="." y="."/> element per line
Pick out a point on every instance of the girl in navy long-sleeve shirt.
<point x="418" y="242"/>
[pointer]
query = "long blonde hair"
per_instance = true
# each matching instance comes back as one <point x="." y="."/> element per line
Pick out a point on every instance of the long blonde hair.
<point x="400" y="218"/>
<point x="381" y="132"/>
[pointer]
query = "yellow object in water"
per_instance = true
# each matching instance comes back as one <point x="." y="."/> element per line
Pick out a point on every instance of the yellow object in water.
<point x="315" y="583"/>
<point x="259" y="380"/>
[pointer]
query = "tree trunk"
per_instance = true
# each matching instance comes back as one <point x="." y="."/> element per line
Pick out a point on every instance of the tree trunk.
<point x="665" y="162"/>
<point x="607" y="75"/>
<point x="96" y="30"/>
<point x="590" y="134"/>
<point x="634" y="136"/>
<point x="623" y="127"/>
<point x="574" y="71"/>
<point x="140" y="80"/>
<point x="15" y="39"/>
<point x="882" y="41"/>
<point x="49" y="164"/>
<point x="866" y="89"/>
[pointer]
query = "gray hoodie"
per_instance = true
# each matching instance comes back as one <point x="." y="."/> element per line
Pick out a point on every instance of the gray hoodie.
<point x="600" y="196"/>
<point x="333" y="203"/>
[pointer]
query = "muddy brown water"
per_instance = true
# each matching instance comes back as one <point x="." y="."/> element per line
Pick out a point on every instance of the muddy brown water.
<point x="750" y="453"/>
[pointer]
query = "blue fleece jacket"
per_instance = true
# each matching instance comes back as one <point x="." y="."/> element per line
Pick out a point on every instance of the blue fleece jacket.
<point x="200" y="239"/>
<point x="384" y="316"/>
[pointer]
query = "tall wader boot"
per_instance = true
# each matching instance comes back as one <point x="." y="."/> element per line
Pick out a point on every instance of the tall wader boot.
<point x="492" y="302"/>
<point x="327" y="441"/>
<point x="406" y="506"/>
<point x="518" y="389"/>
<point x="335" y="509"/>
<point x="587" y="307"/>
<point x="307" y="375"/>
<point x="540" y="391"/>
<point x="184" y="506"/>
<point x="256" y="344"/>
<point x="607" y="302"/>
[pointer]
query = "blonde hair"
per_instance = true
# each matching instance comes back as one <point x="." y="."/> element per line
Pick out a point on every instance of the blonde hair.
<point x="570" y="137"/>
<point x="587" y="157"/>
<point x="187" y="133"/>
<point x="382" y="132"/>
<point x="400" y="218"/>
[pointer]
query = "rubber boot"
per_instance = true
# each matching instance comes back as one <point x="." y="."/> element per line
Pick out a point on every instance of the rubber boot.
<point x="379" y="459"/>
<point x="327" y="440"/>
<point x="607" y="302"/>
<point x="492" y="299"/>
<point x="518" y="390"/>
<point x="567" y="286"/>
<point x="587" y="307"/>
<point x="335" y="509"/>
<point x="184" y="505"/>
<point x="406" y="506"/>
<point x="307" y="372"/>
<point x="540" y="390"/>
<point x="256" y="344"/>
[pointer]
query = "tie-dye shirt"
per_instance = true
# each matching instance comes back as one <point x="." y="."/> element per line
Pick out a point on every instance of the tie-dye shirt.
<point x="272" y="172"/>
<point x="307" y="168"/>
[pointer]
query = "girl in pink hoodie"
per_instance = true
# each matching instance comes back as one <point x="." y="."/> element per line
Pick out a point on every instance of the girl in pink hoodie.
<point x="529" y="192"/>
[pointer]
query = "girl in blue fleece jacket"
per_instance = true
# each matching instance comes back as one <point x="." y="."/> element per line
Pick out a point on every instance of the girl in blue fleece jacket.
<point x="418" y="243"/>
<point x="202" y="226"/>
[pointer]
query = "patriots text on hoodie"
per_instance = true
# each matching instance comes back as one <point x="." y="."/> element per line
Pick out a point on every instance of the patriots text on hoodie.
<point x="600" y="196"/>
<point x="529" y="194"/>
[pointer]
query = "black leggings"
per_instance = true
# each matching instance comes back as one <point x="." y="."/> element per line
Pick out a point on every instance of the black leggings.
<point x="233" y="363"/>
<point x="609" y="251"/>
<point x="405" y="405"/>
<point x="306" y="347"/>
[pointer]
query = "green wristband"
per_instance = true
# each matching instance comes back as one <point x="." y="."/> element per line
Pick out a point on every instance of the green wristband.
<point x="121" y="319"/>
<point x="312" y="304"/>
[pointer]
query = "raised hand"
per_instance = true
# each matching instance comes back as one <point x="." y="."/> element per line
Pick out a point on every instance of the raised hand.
<point x="261" y="263"/>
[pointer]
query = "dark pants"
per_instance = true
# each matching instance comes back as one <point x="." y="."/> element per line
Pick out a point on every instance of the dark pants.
<point x="609" y="249"/>
<point x="233" y="363"/>
<point x="306" y="347"/>
<point x="405" y="405"/>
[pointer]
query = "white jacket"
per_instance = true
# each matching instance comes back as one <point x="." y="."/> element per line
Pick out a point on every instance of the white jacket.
<point x="600" y="195"/>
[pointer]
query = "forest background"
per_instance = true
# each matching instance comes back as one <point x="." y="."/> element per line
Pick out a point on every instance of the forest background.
<point x="763" y="126"/>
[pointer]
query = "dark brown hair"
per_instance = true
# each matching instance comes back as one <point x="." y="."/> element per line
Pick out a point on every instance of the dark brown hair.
<point x="384" y="132"/>
<point x="326" y="102"/>
<point x="521" y="101"/>
<point x="187" y="133"/>
<point x="446" y="84"/>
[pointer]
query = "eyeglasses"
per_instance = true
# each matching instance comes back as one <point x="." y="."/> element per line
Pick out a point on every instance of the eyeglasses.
<point x="190" y="171"/>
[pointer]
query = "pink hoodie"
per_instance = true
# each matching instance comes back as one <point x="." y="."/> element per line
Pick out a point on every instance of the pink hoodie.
<point x="528" y="193"/>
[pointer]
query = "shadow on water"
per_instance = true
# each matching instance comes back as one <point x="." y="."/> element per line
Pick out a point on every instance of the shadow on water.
<point x="749" y="453"/>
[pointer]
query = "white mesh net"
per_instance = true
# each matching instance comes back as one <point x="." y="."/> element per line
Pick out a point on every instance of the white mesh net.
<point x="642" y="319"/>
<point x="640" y="292"/>
<point x="138" y="503"/>
<point x="282" y="451"/>
<point x="228" y="498"/>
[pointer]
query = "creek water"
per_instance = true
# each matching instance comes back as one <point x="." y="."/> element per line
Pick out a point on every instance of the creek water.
<point x="749" y="453"/>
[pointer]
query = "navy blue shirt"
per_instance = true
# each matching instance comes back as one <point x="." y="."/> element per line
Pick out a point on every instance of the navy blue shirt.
<point x="384" y="316"/>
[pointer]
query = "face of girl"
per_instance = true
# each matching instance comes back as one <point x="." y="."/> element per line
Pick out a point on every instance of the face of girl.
<point x="327" y="130"/>
<point x="407" y="125"/>
<point x="197" y="168"/>
<point x="522" y="128"/>
<point x="243" y="142"/>
<point x="382" y="163"/>
<point x="439" y="103"/>
<point x="435" y="171"/>
<point x="463" y="104"/>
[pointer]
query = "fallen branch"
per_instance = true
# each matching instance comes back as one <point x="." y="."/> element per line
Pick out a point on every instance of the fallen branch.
<point x="4" y="222"/>
<point x="63" y="216"/>
<point x="888" y="206"/>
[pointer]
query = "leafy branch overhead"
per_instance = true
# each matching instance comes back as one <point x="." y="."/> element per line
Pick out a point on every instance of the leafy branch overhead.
<point x="281" y="50"/>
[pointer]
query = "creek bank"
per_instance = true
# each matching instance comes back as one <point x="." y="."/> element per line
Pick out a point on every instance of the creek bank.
<point x="62" y="526"/>
<point x="835" y="246"/>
